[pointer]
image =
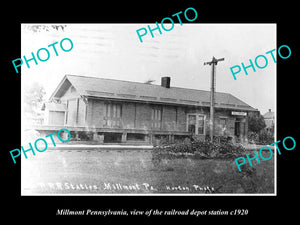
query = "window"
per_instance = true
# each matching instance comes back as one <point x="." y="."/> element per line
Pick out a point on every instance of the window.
<point x="192" y="123"/>
<point x="200" y="124"/>
<point x="223" y="125"/>
<point x="113" y="110"/>
<point x="113" y="113"/>
<point x="156" y="116"/>
<point x="196" y="123"/>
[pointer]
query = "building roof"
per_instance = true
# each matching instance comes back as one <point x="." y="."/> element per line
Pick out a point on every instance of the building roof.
<point x="134" y="91"/>
<point x="269" y="115"/>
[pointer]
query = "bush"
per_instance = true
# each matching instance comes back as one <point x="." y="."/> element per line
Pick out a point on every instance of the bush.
<point x="199" y="149"/>
<point x="263" y="137"/>
<point x="266" y="137"/>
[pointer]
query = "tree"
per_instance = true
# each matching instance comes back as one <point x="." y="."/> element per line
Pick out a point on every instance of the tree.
<point x="33" y="99"/>
<point x="256" y="122"/>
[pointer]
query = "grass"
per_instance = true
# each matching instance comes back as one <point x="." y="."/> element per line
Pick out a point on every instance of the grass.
<point x="47" y="173"/>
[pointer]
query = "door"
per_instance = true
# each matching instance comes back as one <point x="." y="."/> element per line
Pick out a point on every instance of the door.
<point x="222" y="126"/>
<point x="56" y="117"/>
<point x="237" y="128"/>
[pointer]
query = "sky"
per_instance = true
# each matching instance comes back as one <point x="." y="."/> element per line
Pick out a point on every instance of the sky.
<point x="115" y="51"/>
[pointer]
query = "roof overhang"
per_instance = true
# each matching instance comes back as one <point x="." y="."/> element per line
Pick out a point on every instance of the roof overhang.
<point x="177" y="103"/>
<point x="61" y="88"/>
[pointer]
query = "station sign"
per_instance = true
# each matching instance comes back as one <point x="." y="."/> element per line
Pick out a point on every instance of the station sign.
<point x="238" y="113"/>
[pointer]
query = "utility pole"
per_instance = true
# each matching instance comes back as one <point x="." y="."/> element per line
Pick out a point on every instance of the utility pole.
<point x="212" y="95"/>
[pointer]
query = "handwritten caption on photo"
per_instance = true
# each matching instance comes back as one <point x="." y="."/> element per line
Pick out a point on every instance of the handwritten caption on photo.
<point x="122" y="188"/>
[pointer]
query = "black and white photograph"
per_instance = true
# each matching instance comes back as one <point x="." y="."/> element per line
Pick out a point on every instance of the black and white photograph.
<point x="104" y="113"/>
<point x="180" y="112"/>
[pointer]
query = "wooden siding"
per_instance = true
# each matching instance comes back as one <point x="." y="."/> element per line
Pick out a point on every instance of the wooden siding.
<point x="70" y="93"/>
<point x="137" y="116"/>
<point x="81" y="112"/>
<point x="72" y="112"/>
<point x="56" y="117"/>
<point x="169" y="118"/>
<point x="128" y="115"/>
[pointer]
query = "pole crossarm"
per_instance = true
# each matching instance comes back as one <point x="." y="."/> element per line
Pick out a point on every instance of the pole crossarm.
<point x="214" y="61"/>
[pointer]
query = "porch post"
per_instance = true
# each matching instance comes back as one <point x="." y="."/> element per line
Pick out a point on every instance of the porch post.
<point x="124" y="137"/>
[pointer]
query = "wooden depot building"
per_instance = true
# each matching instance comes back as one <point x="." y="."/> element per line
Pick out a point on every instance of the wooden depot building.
<point x="115" y="111"/>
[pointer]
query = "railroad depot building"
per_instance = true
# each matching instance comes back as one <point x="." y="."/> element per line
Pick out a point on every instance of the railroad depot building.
<point x="115" y="111"/>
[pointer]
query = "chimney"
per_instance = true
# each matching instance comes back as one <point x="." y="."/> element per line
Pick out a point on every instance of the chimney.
<point x="165" y="82"/>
